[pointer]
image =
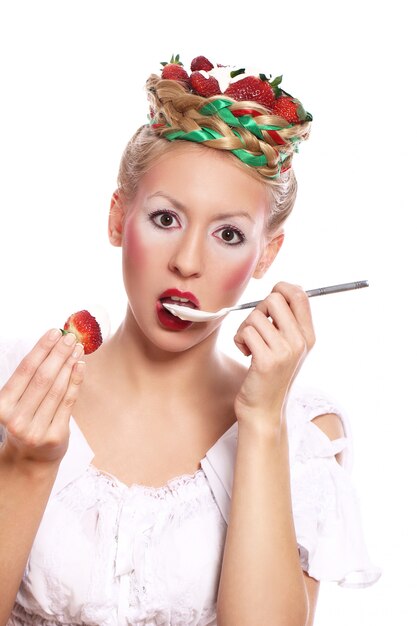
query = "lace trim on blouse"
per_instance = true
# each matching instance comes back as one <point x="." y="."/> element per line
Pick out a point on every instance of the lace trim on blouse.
<point x="176" y="485"/>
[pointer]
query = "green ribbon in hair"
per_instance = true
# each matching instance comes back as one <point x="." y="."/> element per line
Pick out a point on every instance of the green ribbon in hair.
<point x="205" y="134"/>
<point x="221" y="107"/>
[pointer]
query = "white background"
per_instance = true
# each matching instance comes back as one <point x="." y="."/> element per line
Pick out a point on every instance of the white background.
<point x="72" y="95"/>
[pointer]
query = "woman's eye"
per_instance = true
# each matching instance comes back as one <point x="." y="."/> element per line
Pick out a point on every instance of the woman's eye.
<point x="232" y="236"/>
<point x="162" y="219"/>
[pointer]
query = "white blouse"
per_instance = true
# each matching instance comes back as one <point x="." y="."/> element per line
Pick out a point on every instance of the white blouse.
<point x="107" y="554"/>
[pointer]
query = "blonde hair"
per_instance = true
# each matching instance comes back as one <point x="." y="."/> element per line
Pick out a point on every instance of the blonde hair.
<point x="174" y="108"/>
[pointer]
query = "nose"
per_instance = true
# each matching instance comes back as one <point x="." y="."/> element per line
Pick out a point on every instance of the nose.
<point x="188" y="255"/>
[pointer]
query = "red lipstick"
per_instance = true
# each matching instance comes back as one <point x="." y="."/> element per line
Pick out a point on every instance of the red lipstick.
<point x="168" y="320"/>
<point x="181" y="294"/>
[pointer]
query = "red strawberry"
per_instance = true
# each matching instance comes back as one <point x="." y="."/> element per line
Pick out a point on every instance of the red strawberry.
<point x="290" y="109"/>
<point x="201" y="63"/>
<point x="86" y="328"/>
<point x="174" y="69"/>
<point x="204" y="86"/>
<point x="252" y="88"/>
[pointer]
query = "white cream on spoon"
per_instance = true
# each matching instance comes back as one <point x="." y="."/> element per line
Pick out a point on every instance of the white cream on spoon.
<point x="187" y="313"/>
<point x="196" y="315"/>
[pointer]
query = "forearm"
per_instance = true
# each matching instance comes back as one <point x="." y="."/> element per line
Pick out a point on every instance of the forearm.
<point x="261" y="580"/>
<point x="24" y="494"/>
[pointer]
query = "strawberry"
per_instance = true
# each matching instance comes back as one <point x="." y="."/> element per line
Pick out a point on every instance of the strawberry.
<point x="204" y="86"/>
<point x="252" y="88"/>
<point x="86" y="328"/>
<point x="290" y="109"/>
<point x="201" y="63"/>
<point x="174" y="69"/>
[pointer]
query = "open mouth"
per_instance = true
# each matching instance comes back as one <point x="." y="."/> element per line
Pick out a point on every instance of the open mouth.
<point x="178" y="302"/>
<point x="175" y="297"/>
<point x="168" y="319"/>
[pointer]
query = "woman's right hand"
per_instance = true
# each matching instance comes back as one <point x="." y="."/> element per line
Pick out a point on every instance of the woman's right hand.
<point x="36" y="401"/>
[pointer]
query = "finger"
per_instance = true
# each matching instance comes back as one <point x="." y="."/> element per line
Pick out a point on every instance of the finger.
<point x="242" y="345"/>
<point x="281" y="346"/>
<point x="59" y="424"/>
<point x="263" y="326"/>
<point x="19" y="380"/>
<point x="283" y="322"/>
<point x="251" y="342"/>
<point x="282" y="318"/>
<point x="49" y="405"/>
<point x="43" y="378"/>
<point x="300" y="306"/>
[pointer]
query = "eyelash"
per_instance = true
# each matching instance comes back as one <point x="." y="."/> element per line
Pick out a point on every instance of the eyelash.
<point x="236" y="230"/>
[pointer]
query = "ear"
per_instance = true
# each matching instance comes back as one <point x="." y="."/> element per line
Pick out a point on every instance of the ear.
<point x="268" y="256"/>
<point x="116" y="218"/>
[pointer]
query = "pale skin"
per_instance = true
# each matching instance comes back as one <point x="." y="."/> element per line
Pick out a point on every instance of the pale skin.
<point x="126" y="375"/>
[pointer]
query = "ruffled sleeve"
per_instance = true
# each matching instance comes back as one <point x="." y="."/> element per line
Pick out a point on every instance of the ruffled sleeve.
<point x="326" y="507"/>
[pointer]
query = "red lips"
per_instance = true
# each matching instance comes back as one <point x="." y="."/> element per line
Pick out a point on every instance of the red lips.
<point x="181" y="294"/>
<point x="168" y="320"/>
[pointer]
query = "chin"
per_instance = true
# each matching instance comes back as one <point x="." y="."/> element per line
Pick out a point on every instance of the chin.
<point x="172" y="341"/>
<point x="152" y="333"/>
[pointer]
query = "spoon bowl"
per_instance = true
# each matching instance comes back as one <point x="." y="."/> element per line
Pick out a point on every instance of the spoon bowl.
<point x="196" y="315"/>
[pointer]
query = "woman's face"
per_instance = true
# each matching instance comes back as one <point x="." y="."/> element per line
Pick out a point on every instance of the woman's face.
<point x="196" y="225"/>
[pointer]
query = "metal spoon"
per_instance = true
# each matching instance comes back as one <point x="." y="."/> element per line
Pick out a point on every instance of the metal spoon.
<point x="196" y="315"/>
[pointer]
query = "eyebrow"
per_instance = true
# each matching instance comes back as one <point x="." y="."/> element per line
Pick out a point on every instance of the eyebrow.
<point x="219" y="216"/>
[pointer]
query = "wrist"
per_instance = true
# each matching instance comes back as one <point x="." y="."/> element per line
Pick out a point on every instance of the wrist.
<point x="25" y="468"/>
<point x="264" y="430"/>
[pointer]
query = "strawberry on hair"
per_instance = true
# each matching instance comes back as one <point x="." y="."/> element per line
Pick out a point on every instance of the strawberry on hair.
<point x="201" y="63"/>
<point x="174" y="70"/>
<point x="86" y="328"/>
<point x="290" y="109"/>
<point x="204" y="86"/>
<point x="240" y="97"/>
<point x="252" y="88"/>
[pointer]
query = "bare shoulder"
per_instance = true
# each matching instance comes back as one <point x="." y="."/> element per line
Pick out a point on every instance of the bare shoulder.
<point x="331" y="424"/>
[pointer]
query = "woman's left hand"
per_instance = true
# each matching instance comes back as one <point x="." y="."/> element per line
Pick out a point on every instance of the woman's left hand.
<point x="278" y="348"/>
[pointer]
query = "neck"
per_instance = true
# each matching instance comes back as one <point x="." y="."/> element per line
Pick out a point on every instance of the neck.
<point x="147" y="369"/>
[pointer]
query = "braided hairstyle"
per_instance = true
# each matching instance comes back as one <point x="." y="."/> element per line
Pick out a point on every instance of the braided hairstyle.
<point x="177" y="112"/>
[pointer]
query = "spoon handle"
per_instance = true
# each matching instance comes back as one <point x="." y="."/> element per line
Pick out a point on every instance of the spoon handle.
<point x="320" y="291"/>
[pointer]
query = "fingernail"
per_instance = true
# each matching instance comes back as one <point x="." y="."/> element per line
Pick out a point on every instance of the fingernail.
<point x="80" y="366"/>
<point x="54" y="334"/>
<point x="78" y="350"/>
<point x="69" y="339"/>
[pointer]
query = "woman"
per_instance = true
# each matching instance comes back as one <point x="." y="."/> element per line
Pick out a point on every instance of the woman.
<point x="157" y="480"/>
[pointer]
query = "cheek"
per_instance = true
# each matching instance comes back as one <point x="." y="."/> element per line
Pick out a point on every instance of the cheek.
<point x="239" y="275"/>
<point x="134" y="246"/>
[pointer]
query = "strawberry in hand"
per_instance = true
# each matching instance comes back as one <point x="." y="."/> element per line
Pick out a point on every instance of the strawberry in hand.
<point x="86" y="328"/>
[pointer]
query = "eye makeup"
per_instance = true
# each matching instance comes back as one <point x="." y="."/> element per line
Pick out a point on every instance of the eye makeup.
<point x="227" y="227"/>
<point x="155" y="214"/>
<point x="234" y="230"/>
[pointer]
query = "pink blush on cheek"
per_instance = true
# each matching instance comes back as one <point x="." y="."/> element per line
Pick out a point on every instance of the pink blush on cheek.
<point x="134" y="248"/>
<point x="239" y="276"/>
